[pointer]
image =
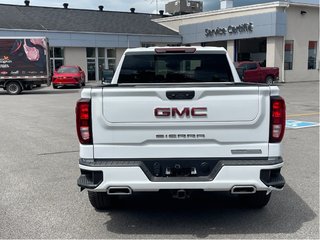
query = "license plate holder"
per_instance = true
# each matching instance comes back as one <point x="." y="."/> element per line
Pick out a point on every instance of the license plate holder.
<point x="178" y="171"/>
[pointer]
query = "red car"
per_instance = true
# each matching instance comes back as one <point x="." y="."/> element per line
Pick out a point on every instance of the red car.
<point x="253" y="72"/>
<point x="68" y="76"/>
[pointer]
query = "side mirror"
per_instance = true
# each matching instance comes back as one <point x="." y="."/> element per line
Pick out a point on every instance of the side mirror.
<point x="107" y="75"/>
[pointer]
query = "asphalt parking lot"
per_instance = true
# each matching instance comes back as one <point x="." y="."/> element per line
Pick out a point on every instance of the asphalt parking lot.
<point x="39" y="197"/>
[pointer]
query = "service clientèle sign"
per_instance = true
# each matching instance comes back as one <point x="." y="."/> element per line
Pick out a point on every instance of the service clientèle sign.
<point x="231" y="29"/>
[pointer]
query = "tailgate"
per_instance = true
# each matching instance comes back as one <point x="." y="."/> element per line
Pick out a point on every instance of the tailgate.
<point x="181" y="122"/>
<point x="222" y="105"/>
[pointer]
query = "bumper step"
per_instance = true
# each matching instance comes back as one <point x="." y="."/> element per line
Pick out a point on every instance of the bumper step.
<point x="90" y="179"/>
<point x="272" y="178"/>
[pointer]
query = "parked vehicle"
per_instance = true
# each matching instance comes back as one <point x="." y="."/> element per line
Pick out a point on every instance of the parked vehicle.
<point x="180" y="119"/>
<point x="107" y="75"/>
<point x="24" y="64"/>
<point x="68" y="76"/>
<point x="253" y="72"/>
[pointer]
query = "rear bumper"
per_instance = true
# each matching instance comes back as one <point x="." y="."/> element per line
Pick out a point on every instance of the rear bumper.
<point x="100" y="175"/>
<point x="63" y="82"/>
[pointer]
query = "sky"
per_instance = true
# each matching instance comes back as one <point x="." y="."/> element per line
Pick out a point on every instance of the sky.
<point x="145" y="6"/>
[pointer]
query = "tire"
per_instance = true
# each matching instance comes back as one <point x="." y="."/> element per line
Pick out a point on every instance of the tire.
<point x="256" y="200"/>
<point x="13" y="88"/>
<point x="269" y="80"/>
<point x="101" y="200"/>
<point x="54" y="86"/>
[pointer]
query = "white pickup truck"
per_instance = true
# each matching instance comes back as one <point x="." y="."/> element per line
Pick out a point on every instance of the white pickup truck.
<point x="179" y="119"/>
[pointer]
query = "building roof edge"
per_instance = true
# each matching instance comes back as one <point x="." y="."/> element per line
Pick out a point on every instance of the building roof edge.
<point x="304" y="4"/>
<point x="97" y="33"/>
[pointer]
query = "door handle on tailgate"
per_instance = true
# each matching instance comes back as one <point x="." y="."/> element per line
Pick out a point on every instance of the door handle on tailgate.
<point x="180" y="95"/>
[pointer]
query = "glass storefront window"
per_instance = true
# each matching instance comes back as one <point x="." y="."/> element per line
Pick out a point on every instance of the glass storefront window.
<point x="111" y="58"/>
<point x="58" y="63"/>
<point x="111" y="53"/>
<point x="288" y="55"/>
<point x="56" y="58"/>
<point x="253" y="49"/>
<point x="112" y="64"/>
<point x="58" y="52"/>
<point x="312" y="54"/>
<point x="91" y="52"/>
<point x="101" y="67"/>
<point x="101" y="52"/>
<point x="99" y="59"/>
<point x="91" y="65"/>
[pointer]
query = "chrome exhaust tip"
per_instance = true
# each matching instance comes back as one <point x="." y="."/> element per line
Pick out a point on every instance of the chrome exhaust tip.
<point x="119" y="191"/>
<point x="243" y="190"/>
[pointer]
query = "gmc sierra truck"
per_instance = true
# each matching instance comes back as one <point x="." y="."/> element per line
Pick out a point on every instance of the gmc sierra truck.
<point x="179" y="119"/>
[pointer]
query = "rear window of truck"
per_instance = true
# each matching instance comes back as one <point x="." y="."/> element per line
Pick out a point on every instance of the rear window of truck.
<point x="175" y="68"/>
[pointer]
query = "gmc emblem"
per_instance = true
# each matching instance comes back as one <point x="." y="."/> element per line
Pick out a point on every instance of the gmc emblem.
<point x="184" y="112"/>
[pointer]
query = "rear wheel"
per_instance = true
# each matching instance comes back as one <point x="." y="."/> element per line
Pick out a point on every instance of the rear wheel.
<point x="256" y="200"/>
<point x="54" y="86"/>
<point x="13" y="88"/>
<point x="101" y="200"/>
<point x="269" y="80"/>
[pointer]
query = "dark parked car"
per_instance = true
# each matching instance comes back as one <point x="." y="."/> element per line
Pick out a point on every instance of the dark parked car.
<point x="253" y="72"/>
<point x="107" y="75"/>
<point x="68" y="76"/>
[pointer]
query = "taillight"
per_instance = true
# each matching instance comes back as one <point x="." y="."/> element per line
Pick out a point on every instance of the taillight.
<point x="278" y="119"/>
<point x="83" y="118"/>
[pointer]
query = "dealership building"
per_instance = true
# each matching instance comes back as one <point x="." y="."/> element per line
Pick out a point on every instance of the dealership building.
<point x="93" y="39"/>
<point x="281" y="34"/>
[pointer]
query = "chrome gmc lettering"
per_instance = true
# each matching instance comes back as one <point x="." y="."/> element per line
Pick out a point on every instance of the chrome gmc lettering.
<point x="184" y="112"/>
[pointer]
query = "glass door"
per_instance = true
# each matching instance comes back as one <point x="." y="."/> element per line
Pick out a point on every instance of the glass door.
<point x="91" y="64"/>
<point x="91" y="70"/>
<point x="101" y="62"/>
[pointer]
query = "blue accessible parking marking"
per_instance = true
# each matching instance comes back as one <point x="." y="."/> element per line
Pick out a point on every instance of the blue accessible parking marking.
<point x="293" y="124"/>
